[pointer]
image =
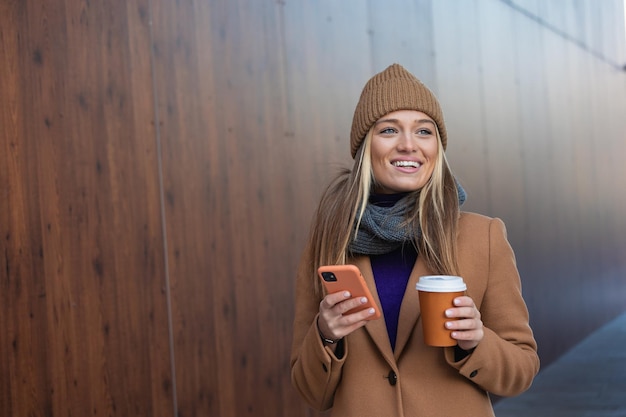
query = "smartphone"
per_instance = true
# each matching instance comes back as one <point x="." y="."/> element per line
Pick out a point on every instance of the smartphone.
<point x="348" y="278"/>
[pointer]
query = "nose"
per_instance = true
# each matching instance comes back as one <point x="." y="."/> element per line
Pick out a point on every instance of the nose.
<point x="406" y="142"/>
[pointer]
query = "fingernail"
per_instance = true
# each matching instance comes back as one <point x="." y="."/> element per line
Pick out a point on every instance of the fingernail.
<point x="346" y="294"/>
<point x="448" y="313"/>
<point x="363" y="300"/>
<point x="457" y="301"/>
<point x="371" y="311"/>
<point x="448" y="324"/>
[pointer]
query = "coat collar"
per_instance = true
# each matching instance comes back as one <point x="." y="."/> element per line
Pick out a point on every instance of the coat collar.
<point x="409" y="310"/>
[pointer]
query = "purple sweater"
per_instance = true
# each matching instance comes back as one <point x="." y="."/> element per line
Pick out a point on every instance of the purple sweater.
<point x="391" y="273"/>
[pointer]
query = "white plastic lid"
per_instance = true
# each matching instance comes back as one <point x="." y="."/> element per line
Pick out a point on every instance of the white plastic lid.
<point x="440" y="283"/>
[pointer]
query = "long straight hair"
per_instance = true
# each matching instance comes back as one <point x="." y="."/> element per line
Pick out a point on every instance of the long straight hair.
<point x="434" y="217"/>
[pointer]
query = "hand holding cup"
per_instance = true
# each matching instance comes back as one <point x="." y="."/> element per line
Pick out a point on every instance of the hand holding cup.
<point x="436" y="295"/>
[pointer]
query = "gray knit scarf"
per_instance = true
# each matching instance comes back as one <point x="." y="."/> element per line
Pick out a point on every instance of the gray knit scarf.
<point x="381" y="231"/>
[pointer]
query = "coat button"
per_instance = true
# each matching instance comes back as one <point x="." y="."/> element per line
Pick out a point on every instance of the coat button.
<point x="474" y="373"/>
<point x="392" y="377"/>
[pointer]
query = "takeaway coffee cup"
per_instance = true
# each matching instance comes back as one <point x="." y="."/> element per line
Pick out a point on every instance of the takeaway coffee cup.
<point x="436" y="294"/>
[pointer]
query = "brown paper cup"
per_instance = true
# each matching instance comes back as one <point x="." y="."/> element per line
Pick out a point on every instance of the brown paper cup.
<point x="436" y="295"/>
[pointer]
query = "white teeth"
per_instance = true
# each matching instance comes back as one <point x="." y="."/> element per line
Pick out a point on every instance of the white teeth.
<point x="406" y="164"/>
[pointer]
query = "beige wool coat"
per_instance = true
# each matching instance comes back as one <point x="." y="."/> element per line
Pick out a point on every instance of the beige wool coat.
<point x="417" y="380"/>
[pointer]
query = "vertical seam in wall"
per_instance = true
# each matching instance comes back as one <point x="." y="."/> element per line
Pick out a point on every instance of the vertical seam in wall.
<point x="170" y="327"/>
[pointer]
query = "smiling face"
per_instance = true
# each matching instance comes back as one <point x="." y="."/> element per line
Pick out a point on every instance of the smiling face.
<point x="404" y="151"/>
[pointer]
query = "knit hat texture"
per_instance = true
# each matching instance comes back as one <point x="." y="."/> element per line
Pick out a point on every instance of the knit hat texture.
<point x="390" y="90"/>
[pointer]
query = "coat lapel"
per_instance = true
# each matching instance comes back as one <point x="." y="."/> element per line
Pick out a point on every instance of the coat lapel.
<point x="410" y="308"/>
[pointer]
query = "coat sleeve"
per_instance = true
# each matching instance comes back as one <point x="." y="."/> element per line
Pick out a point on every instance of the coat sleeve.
<point x="505" y="361"/>
<point x="315" y="370"/>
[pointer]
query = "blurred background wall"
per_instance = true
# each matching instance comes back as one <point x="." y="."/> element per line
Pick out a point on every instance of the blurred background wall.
<point x="160" y="162"/>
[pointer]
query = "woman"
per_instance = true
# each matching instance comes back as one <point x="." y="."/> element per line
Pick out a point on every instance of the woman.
<point x="396" y="216"/>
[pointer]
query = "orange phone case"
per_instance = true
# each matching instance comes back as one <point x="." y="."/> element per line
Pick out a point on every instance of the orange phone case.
<point x="337" y="278"/>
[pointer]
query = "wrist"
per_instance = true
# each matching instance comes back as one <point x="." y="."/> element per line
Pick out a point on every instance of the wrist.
<point x="325" y="340"/>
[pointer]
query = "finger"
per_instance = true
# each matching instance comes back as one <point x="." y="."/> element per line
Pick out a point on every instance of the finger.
<point x="347" y="305"/>
<point x="343" y="325"/>
<point x="361" y="315"/>
<point x="464" y="324"/>
<point x="463" y="301"/>
<point x="331" y="300"/>
<point x="462" y="313"/>
<point x="474" y="334"/>
<point x="349" y="323"/>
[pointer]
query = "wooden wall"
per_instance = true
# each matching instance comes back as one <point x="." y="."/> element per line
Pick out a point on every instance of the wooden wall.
<point x="160" y="162"/>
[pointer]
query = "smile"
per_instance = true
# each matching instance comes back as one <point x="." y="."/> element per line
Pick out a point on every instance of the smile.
<point x="412" y="164"/>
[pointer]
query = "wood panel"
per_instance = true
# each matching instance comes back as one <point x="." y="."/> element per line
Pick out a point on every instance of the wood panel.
<point x="323" y="42"/>
<point x="84" y="315"/>
<point x="230" y="162"/>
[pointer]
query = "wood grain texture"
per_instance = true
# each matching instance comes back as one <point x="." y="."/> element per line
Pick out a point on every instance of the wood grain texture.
<point x="229" y="168"/>
<point x="84" y="311"/>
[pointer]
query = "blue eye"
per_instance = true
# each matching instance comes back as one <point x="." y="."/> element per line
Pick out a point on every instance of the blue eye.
<point x="388" y="131"/>
<point x="424" y="132"/>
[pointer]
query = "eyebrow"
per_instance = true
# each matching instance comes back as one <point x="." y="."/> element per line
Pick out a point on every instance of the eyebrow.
<point x="420" y="121"/>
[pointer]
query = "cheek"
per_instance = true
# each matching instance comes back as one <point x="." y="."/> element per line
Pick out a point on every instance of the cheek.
<point x="377" y="157"/>
<point x="378" y="166"/>
<point x="376" y="150"/>
<point x="431" y="151"/>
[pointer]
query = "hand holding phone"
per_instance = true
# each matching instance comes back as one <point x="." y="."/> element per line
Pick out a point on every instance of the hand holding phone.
<point x="336" y="278"/>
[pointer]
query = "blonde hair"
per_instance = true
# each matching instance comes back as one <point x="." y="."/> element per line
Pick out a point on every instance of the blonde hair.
<point x="339" y="213"/>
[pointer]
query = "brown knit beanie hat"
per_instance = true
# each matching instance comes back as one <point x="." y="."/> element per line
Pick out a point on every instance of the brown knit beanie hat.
<point x="393" y="89"/>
